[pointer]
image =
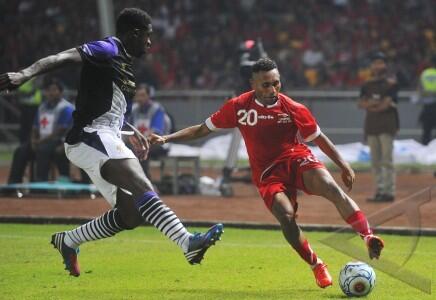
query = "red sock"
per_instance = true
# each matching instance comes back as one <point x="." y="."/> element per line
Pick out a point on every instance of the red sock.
<point x="359" y="223"/>
<point x="307" y="253"/>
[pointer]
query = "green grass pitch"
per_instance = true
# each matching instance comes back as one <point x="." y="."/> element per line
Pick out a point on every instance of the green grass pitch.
<point x="142" y="264"/>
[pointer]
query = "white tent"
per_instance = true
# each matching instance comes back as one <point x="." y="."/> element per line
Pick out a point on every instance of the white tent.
<point x="405" y="151"/>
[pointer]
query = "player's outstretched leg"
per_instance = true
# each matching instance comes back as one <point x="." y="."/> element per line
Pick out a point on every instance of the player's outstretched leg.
<point x="194" y="246"/>
<point x="375" y="245"/>
<point x="69" y="255"/>
<point x="285" y="214"/>
<point x="128" y="175"/>
<point x="320" y="182"/>
<point x="200" y="242"/>
<point x="68" y="242"/>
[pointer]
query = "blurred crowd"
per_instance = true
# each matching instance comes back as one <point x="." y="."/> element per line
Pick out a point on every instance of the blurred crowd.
<point x="320" y="44"/>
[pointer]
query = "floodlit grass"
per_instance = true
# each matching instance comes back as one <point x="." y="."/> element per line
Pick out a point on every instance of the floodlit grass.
<point x="142" y="264"/>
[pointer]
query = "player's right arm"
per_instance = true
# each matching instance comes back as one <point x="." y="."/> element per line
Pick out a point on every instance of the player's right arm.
<point x="225" y="117"/>
<point x="10" y="81"/>
<point x="186" y="134"/>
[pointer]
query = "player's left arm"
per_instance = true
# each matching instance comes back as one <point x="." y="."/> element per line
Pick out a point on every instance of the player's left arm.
<point x="326" y="146"/>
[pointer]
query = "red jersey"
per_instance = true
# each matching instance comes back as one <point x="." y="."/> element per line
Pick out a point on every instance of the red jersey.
<point x="271" y="133"/>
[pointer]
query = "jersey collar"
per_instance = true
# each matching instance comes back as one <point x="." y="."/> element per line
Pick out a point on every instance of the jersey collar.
<point x="125" y="50"/>
<point x="267" y="106"/>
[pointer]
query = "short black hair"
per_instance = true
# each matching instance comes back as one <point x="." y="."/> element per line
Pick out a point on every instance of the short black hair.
<point x="132" y="18"/>
<point x="378" y="55"/>
<point x="264" y="65"/>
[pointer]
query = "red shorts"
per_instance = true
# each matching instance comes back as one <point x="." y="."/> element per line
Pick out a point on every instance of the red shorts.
<point x="286" y="176"/>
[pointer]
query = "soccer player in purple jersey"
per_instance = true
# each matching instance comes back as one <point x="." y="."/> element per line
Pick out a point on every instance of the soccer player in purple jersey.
<point x="94" y="143"/>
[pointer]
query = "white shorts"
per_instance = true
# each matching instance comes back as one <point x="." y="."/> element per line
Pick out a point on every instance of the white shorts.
<point x="97" y="147"/>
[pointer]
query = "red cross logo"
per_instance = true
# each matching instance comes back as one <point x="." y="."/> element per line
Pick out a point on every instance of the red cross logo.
<point x="43" y="122"/>
<point x="142" y="128"/>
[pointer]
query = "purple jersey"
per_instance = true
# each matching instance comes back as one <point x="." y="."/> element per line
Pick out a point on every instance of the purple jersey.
<point x="107" y="85"/>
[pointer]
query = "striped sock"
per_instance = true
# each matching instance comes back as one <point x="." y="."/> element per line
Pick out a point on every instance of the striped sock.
<point x="154" y="211"/>
<point x="102" y="227"/>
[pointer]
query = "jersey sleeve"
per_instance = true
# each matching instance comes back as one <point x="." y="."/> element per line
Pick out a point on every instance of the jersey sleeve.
<point x="98" y="51"/>
<point x="306" y="124"/>
<point x="225" y="117"/>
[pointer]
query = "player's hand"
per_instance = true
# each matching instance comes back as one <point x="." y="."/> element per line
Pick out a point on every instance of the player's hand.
<point x="11" y="81"/>
<point x="348" y="176"/>
<point x="140" y="145"/>
<point x="138" y="141"/>
<point x="157" y="139"/>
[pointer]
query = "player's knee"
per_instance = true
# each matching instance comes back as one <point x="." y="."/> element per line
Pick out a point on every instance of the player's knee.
<point x="333" y="192"/>
<point x="131" y="222"/>
<point x="286" y="217"/>
<point x="139" y="185"/>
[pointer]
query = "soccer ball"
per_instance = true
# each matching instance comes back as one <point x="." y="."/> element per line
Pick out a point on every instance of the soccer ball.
<point x="357" y="279"/>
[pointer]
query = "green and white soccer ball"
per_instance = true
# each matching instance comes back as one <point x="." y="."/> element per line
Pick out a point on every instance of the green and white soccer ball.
<point x="357" y="279"/>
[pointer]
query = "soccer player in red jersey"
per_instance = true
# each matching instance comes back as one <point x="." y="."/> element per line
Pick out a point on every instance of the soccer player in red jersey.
<point x="274" y="128"/>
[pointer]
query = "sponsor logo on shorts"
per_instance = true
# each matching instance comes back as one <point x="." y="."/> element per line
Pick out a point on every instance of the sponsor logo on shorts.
<point x="119" y="148"/>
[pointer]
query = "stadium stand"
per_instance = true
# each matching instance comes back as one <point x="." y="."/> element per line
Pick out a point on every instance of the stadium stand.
<point x="317" y="44"/>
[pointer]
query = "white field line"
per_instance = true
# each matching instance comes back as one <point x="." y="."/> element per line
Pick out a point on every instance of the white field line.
<point x="224" y="244"/>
